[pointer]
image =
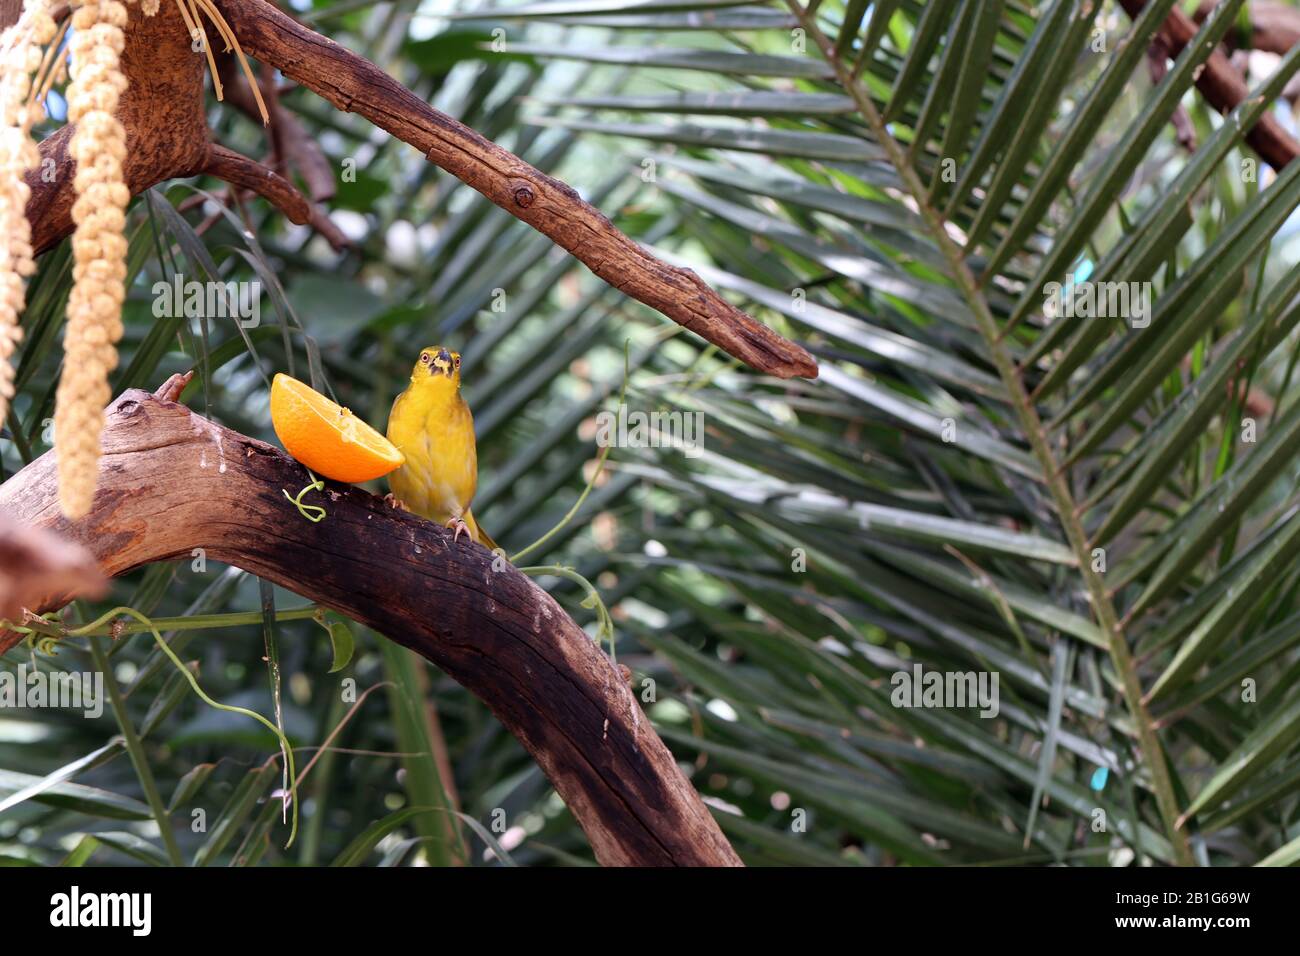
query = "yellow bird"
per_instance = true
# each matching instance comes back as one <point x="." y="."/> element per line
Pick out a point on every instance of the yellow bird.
<point x="432" y="426"/>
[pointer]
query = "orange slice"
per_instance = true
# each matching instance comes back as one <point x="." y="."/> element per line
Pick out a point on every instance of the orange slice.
<point x="326" y="437"/>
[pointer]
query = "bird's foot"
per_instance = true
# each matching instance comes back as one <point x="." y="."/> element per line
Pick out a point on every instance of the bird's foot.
<point x="394" y="502"/>
<point x="458" y="525"/>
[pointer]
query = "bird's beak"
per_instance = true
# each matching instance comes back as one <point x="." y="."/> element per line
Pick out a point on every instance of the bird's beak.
<point x="442" y="362"/>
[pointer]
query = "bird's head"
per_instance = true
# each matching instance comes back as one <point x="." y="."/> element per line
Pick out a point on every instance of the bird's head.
<point x="437" y="364"/>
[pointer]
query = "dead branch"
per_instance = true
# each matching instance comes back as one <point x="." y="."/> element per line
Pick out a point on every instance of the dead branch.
<point x="1223" y="86"/>
<point x="240" y="171"/>
<point x="171" y="481"/>
<point x="167" y="137"/>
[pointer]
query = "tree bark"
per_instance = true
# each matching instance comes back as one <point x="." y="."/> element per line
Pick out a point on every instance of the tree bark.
<point x="171" y="481"/>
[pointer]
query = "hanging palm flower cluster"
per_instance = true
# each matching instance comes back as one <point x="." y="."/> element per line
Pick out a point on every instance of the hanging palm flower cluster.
<point x="20" y="59"/>
<point x="31" y="62"/>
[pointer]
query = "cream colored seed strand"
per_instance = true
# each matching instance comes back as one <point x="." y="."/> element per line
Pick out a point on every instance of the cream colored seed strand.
<point x="20" y="57"/>
<point x="99" y="248"/>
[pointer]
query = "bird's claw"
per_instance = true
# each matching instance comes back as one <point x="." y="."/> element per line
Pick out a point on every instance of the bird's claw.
<point x="458" y="525"/>
<point x="394" y="502"/>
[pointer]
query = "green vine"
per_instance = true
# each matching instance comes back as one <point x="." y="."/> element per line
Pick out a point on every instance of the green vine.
<point x="52" y="633"/>
<point x="593" y="600"/>
<point x="305" y="509"/>
<point x="591" y="482"/>
<point x="43" y="633"/>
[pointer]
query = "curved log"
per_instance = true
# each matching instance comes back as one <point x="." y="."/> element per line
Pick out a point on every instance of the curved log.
<point x="171" y="481"/>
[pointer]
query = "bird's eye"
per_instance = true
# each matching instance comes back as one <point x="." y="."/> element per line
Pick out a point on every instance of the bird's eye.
<point x="426" y="358"/>
<point x="457" y="362"/>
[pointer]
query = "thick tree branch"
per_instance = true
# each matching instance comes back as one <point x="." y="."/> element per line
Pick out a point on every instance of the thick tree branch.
<point x="162" y="110"/>
<point x="171" y="481"/>
<point x="355" y="85"/>
<point x="167" y="137"/>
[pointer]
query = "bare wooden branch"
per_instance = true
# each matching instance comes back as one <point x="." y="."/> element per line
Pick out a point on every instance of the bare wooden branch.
<point x="163" y="112"/>
<point x="1223" y="86"/>
<point x="171" y="481"/>
<point x="240" y="171"/>
<point x="355" y="85"/>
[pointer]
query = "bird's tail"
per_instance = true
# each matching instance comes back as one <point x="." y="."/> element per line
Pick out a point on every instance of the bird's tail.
<point x="481" y="536"/>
